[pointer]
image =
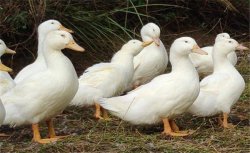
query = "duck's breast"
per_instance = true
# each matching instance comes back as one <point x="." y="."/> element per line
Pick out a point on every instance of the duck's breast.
<point x="6" y="82"/>
<point x="42" y="96"/>
<point x="36" y="67"/>
<point x="150" y="62"/>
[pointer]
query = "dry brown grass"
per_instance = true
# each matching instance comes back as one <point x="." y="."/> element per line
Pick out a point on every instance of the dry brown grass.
<point x="89" y="135"/>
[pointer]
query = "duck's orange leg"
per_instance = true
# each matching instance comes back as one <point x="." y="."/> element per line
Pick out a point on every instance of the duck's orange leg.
<point x="173" y="125"/>
<point x="52" y="133"/>
<point x="176" y="129"/>
<point x="105" y="115"/>
<point x="220" y="121"/>
<point x="37" y="136"/>
<point x="168" y="130"/>
<point x="98" y="111"/>
<point x="225" y="123"/>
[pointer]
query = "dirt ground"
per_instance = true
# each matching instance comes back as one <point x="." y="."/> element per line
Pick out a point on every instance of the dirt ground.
<point x="85" y="134"/>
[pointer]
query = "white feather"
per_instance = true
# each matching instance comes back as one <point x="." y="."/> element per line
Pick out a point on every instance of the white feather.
<point x="39" y="64"/>
<point x="6" y="82"/>
<point x="221" y="89"/>
<point x="167" y="95"/>
<point x="108" y="79"/>
<point x="44" y="94"/>
<point x="204" y="64"/>
<point x="152" y="60"/>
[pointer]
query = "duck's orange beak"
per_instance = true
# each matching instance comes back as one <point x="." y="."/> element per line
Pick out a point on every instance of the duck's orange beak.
<point x="241" y="47"/>
<point x="157" y="41"/>
<point x="10" y="51"/>
<point x="198" y="50"/>
<point x="5" y="68"/>
<point x="146" y="43"/>
<point x="74" y="46"/>
<point x="65" y="29"/>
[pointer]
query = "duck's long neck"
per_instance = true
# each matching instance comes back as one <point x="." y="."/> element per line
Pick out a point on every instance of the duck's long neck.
<point x="220" y="60"/>
<point x="40" y="55"/>
<point x="53" y="58"/>
<point x="124" y="60"/>
<point x="181" y="63"/>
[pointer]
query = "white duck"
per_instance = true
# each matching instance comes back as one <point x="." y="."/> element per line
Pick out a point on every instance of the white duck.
<point x="152" y="60"/>
<point x="204" y="64"/>
<point x="39" y="64"/>
<point x="45" y="94"/>
<point x="6" y="82"/>
<point x="105" y="80"/>
<point x="2" y="110"/>
<point x="166" y="96"/>
<point x="220" y="90"/>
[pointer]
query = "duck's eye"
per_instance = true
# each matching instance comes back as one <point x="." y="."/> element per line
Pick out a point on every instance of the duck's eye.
<point x="186" y="41"/>
<point x="134" y="42"/>
<point x="52" y="22"/>
<point x="230" y="41"/>
<point x="63" y="35"/>
<point x="154" y="30"/>
<point x="0" y="43"/>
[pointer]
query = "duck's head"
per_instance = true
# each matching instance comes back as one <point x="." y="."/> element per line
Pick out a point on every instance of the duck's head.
<point x="229" y="45"/>
<point x="151" y="33"/>
<point x="222" y="36"/>
<point x="134" y="46"/>
<point x="5" y="49"/>
<point x="59" y="40"/>
<point x="185" y="45"/>
<point x="51" y="25"/>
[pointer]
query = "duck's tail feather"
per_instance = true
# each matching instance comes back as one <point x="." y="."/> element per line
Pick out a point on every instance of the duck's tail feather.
<point x="103" y="102"/>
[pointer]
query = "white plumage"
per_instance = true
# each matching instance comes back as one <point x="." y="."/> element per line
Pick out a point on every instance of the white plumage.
<point x="39" y="64"/>
<point x="152" y="60"/>
<point x="47" y="93"/>
<point x="6" y="82"/>
<point x="166" y="96"/>
<point x="221" y="89"/>
<point x="108" y="79"/>
<point x="3" y="68"/>
<point x="204" y="64"/>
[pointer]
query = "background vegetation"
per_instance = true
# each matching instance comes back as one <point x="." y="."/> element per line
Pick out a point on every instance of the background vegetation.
<point x="101" y="27"/>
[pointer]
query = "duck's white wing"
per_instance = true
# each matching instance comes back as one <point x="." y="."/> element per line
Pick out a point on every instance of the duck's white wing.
<point x="210" y="88"/>
<point x="27" y="99"/>
<point x="100" y="80"/>
<point x="213" y="83"/>
<point x="203" y="63"/>
<point x="102" y="74"/>
<point x="148" y="97"/>
<point x="29" y="70"/>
